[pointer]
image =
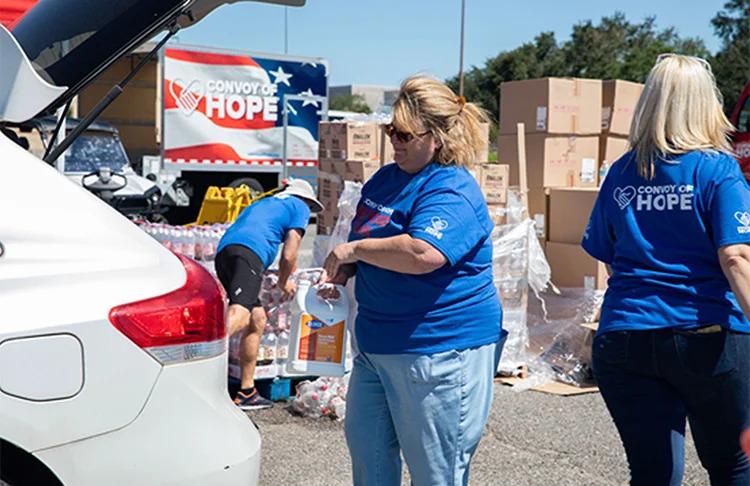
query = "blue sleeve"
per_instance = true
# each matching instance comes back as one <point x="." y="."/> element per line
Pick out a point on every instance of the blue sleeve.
<point x="299" y="215"/>
<point x="447" y="221"/>
<point x="728" y="204"/>
<point x="598" y="238"/>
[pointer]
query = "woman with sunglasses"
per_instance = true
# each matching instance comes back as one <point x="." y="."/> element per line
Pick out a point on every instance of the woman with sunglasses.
<point x="429" y="318"/>
<point x="672" y="221"/>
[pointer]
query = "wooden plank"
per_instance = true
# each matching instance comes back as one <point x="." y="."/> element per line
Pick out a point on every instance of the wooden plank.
<point x="594" y="326"/>
<point x="553" y="388"/>
<point x="522" y="180"/>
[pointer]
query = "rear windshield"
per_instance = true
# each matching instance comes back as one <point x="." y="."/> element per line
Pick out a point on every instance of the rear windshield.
<point x="72" y="40"/>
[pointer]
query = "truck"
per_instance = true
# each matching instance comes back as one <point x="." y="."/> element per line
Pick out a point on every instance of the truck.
<point x="198" y="116"/>
<point x="97" y="161"/>
<point x="741" y="137"/>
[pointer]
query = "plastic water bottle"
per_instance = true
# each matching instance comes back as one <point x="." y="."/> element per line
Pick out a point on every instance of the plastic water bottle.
<point x="282" y="349"/>
<point x="603" y="171"/>
<point x="267" y="349"/>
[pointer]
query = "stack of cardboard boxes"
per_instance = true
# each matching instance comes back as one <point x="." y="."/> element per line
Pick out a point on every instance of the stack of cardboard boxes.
<point x="569" y="211"/>
<point x="494" y="180"/>
<point x="348" y="151"/>
<point x="573" y="128"/>
<point x="562" y="119"/>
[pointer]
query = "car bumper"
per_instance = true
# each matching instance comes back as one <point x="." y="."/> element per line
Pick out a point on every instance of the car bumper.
<point x="189" y="433"/>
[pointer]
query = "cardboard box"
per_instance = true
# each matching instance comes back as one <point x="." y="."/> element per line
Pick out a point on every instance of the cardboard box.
<point x="324" y="230"/>
<point x="553" y="161"/>
<point x="612" y="148"/>
<point x="552" y="105"/>
<point x="361" y="171"/>
<point x="573" y="267"/>
<point x="498" y="213"/>
<point x="333" y="166"/>
<point x="568" y="213"/>
<point x="385" y="147"/>
<point x="349" y="141"/>
<point x="330" y="187"/>
<point x="493" y="181"/>
<point x="618" y="105"/>
<point x="326" y="222"/>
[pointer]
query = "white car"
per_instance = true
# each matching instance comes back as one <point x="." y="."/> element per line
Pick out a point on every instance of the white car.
<point x="113" y="362"/>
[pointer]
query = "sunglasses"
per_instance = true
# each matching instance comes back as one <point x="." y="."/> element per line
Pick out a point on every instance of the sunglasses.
<point x="404" y="137"/>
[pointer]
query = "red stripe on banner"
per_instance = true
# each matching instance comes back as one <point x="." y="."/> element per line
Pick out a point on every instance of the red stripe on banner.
<point x="182" y="156"/>
<point x="172" y="90"/>
<point x="210" y="58"/>
<point x="206" y="151"/>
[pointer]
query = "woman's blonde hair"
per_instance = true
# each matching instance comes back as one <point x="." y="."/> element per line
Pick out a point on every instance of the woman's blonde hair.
<point x="425" y="104"/>
<point x="679" y="111"/>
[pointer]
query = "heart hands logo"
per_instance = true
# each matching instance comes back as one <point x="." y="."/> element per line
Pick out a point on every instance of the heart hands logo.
<point x="623" y="196"/>
<point x="189" y="97"/>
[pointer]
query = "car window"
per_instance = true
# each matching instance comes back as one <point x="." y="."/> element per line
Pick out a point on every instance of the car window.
<point x="92" y="151"/>
<point x="743" y="123"/>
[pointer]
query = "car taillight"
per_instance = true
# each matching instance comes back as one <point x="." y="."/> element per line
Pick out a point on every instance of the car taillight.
<point x="183" y="325"/>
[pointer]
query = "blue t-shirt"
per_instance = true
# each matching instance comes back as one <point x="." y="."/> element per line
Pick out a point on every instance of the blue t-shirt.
<point x="263" y="225"/>
<point x="661" y="239"/>
<point x="454" y="307"/>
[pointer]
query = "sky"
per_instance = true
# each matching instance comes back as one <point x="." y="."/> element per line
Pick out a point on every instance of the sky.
<point x="381" y="42"/>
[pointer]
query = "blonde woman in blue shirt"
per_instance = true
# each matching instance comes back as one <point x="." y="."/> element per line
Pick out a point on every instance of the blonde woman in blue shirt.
<point x="673" y="222"/>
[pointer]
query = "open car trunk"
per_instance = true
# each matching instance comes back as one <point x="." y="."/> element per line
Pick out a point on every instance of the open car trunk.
<point x="70" y="43"/>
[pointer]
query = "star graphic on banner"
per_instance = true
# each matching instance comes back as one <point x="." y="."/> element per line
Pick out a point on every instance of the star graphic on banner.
<point x="281" y="76"/>
<point x="308" y="93"/>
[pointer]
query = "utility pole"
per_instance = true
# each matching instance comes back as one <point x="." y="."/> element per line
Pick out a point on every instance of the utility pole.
<point x="461" y="62"/>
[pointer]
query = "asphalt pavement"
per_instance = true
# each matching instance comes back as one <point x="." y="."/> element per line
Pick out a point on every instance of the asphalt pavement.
<point x="531" y="438"/>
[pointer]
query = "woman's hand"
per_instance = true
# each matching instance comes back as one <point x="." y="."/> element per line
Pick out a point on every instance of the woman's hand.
<point x="341" y="255"/>
<point x="329" y="292"/>
<point x="288" y="290"/>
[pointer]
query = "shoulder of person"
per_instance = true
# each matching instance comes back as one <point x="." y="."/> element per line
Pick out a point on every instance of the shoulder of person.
<point x="712" y="164"/>
<point x="451" y="177"/>
<point x="453" y="180"/>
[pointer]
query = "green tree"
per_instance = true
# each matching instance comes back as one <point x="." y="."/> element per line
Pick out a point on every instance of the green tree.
<point x="732" y="63"/>
<point x="355" y="103"/>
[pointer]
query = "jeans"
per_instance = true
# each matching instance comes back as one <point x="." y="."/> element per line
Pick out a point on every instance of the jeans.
<point x="653" y="381"/>
<point x="431" y="407"/>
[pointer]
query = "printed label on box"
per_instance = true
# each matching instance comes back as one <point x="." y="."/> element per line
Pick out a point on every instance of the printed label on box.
<point x="606" y="117"/>
<point x="541" y="117"/>
<point x="539" y="224"/>
<point x="588" y="170"/>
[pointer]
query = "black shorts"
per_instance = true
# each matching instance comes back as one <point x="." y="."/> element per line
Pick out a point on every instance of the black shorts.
<point x="240" y="271"/>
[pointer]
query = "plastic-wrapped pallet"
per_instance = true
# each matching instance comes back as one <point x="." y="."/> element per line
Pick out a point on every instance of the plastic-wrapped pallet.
<point x="560" y="347"/>
<point x="518" y="264"/>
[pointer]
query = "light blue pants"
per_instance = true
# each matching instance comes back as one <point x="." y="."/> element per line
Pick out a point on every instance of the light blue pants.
<point x="431" y="407"/>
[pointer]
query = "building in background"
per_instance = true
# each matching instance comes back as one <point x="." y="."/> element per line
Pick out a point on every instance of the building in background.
<point x="376" y="97"/>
